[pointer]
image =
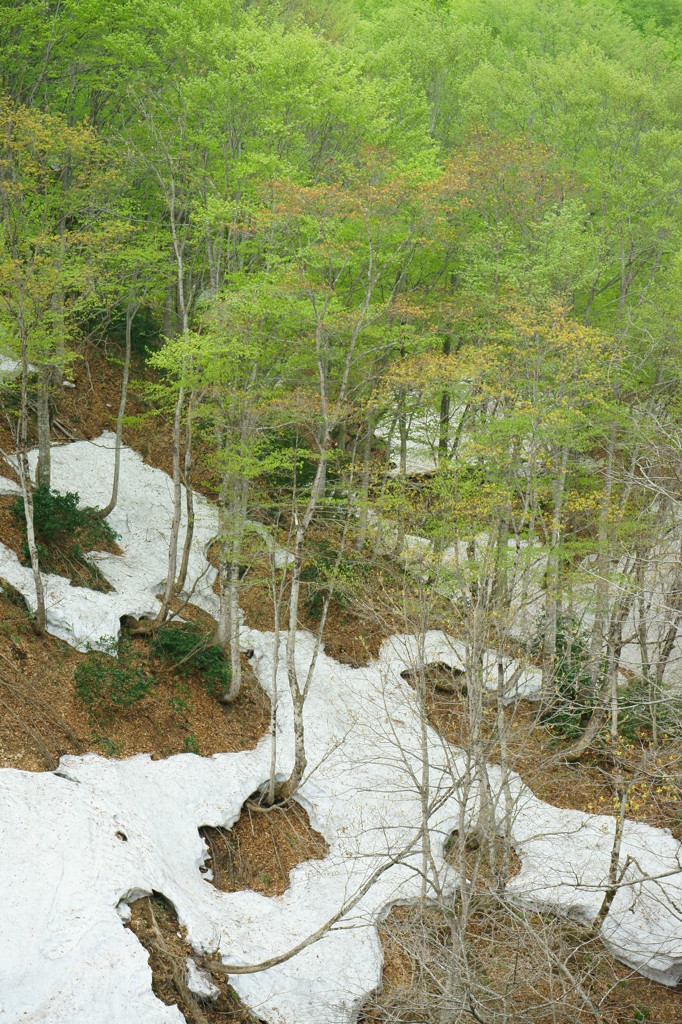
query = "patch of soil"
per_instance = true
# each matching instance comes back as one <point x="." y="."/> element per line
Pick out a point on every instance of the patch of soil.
<point x="349" y="637"/>
<point x="37" y="724"/>
<point x="262" y="848"/>
<point x="357" y="623"/>
<point x="587" y="785"/>
<point x="10" y="531"/>
<point x="155" y="924"/>
<point x="438" y="676"/>
<point x="42" y="718"/>
<point x="508" y="963"/>
<point x="91" y="406"/>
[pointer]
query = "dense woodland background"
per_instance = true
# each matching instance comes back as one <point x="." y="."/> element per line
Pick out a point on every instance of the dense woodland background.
<point x="279" y="248"/>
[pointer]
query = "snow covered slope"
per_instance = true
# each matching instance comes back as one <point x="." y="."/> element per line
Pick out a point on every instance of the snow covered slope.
<point x="65" y="956"/>
<point x="142" y="521"/>
<point x="77" y="845"/>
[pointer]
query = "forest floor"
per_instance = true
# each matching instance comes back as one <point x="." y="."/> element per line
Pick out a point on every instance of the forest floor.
<point x="589" y="784"/>
<point x="42" y="717"/>
<point x="501" y="951"/>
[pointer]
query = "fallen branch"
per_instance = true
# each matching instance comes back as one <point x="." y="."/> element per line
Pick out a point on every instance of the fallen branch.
<point x="275" y="961"/>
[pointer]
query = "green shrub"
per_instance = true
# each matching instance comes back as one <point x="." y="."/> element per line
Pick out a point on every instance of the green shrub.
<point x="54" y="514"/>
<point x="321" y="569"/>
<point x="106" y="683"/>
<point x="191" y="744"/>
<point x="286" y="464"/>
<point x="146" y="326"/>
<point x="188" y="649"/>
<point x="634" y="712"/>
<point x="57" y="516"/>
<point x="63" y="533"/>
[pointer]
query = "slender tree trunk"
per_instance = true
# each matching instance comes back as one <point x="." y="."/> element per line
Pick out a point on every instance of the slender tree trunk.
<point x="615" y="876"/>
<point x="552" y="585"/>
<point x="286" y="789"/>
<point x="178" y="249"/>
<point x="614" y="655"/>
<point x="619" y="617"/>
<point x="484" y="827"/>
<point x="402" y="430"/>
<point x="322" y="489"/>
<point x="223" y="629"/>
<point x="502" y="870"/>
<point x="444" y="416"/>
<point x="645" y="661"/>
<point x="130" y="315"/>
<point x="270" y="799"/>
<point x="168" y="313"/>
<point x="43" y="414"/>
<point x="25" y="476"/>
<point x="233" y="620"/>
<point x="235" y="503"/>
<point x="653" y="674"/>
<point x="363" y="495"/>
<point x="277" y="594"/>
<point x="189" y="498"/>
<point x="167" y="598"/>
<point x="50" y="375"/>
<point x="591" y="731"/>
<point x="402" y="472"/>
<point x="290" y="786"/>
<point x="424" y="782"/>
<point x="664" y="656"/>
<point x="499" y="602"/>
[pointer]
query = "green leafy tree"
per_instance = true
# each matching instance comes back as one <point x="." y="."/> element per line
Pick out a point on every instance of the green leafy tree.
<point x="48" y="241"/>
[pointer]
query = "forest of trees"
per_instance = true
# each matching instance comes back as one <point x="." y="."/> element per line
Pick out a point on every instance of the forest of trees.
<point x="330" y="233"/>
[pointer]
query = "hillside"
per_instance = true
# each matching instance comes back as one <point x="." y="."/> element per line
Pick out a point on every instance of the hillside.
<point x="340" y="512"/>
<point x="178" y="714"/>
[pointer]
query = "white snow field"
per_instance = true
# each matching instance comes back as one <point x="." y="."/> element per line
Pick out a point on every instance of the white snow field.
<point x="422" y="444"/>
<point x="142" y="520"/>
<point x="79" y="844"/>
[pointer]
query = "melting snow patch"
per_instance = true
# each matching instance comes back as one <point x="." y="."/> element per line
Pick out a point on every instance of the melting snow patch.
<point x="9" y="486"/>
<point x="64" y="955"/>
<point x="421" y="444"/>
<point x="11" y="367"/>
<point x="199" y="982"/>
<point x="142" y="521"/>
